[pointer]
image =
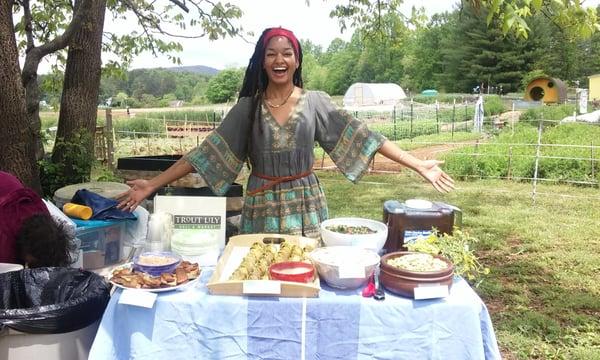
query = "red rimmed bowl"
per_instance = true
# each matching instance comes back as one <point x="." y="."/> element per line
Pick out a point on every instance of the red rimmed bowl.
<point x="403" y="282"/>
<point x="296" y="271"/>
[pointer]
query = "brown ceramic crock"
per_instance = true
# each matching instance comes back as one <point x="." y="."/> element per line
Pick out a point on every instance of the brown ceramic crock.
<point x="403" y="282"/>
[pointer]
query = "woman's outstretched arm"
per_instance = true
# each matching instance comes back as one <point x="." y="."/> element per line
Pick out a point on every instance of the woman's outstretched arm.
<point x="141" y="189"/>
<point x="429" y="169"/>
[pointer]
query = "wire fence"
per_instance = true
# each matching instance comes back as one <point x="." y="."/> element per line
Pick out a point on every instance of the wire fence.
<point x="404" y="123"/>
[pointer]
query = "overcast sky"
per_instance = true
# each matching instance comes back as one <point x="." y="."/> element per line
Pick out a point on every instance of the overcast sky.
<point x="307" y="22"/>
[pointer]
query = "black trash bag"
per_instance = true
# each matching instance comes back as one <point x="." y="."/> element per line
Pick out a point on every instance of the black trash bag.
<point x="51" y="300"/>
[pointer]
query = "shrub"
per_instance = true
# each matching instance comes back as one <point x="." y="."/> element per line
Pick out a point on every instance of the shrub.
<point x="550" y="112"/>
<point x="492" y="105"/>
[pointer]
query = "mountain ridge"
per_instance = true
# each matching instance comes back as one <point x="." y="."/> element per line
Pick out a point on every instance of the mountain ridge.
<point x="197" y="69"/>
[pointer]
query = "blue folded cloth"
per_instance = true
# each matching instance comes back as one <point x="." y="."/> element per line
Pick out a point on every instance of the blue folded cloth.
<point x="103" y="208"/>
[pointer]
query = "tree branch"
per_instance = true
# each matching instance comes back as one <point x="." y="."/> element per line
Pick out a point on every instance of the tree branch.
<point x="61" y="41"/>
<point x="181" y="5"/>
<point x="35" y="54"/>
<point x="27" y="20"/>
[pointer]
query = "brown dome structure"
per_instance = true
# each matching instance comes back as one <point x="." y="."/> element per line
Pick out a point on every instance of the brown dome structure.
<point x="546" y="89"/>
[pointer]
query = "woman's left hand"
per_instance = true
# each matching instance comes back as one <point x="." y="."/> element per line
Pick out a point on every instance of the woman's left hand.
<point x="431" y="171"/>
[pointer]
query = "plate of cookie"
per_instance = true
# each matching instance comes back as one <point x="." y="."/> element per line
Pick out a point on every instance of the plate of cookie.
<point x="127" y="277"/>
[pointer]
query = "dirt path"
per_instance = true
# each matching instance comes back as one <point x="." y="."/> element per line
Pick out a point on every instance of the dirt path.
<point x="383" y="164"/>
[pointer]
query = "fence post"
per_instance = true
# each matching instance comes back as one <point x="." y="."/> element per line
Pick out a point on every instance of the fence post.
<point x="186" y="131"/>
<point x="214" y="119"/>
<point x="394" y="120"/>
<point x="592" y="161"/>
<point x="411" y="119"/>
<point x="108" y="132"/>
<point x="509" y="175"/>
<point x="512" y="119"/>
<point x="537" y="159"/>
<point x="466" y="117"/>
<point x="437" y="116"/>
<point x="134" y="143"/>
<point x="453" y="116"/>
<point x="165" y="124"/>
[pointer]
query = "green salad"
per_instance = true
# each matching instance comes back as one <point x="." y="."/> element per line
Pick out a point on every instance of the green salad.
<point x="349" y="229"/>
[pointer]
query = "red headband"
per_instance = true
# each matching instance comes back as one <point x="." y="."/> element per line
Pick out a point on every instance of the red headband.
<point x="285" y="33"/>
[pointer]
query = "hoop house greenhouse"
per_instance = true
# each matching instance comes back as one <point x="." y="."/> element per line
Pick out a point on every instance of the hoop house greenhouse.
<point x="365" y="94"/>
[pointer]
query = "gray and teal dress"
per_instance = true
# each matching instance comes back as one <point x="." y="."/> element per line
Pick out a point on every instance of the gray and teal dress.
<point x="290" y="207"/>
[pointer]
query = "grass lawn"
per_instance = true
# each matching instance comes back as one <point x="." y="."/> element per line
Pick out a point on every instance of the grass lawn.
<point x="543" y="290"/>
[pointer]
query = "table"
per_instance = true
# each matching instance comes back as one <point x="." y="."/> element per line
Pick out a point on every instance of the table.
<point x="192" y="324"/>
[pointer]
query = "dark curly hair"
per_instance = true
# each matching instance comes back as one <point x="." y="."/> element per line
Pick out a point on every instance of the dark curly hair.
<point x="41" y="241"/>
<point x="256" y="79"/>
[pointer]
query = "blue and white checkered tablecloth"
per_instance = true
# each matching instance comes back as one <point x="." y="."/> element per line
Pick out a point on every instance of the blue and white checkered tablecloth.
<point x="192" y="324"/>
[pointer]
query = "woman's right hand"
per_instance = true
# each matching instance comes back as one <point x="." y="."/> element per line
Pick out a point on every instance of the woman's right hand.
<point x="139" y="191"/>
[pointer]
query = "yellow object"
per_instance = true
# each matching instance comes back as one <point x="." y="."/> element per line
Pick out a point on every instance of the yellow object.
<point x="594" y="87"/>
<point x="546" y="89"/>
<point x="78" y="211"/>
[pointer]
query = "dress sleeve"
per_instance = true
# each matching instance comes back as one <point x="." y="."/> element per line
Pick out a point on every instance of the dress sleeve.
<point x="348" y="141"/>
<point x="220" y="157"/>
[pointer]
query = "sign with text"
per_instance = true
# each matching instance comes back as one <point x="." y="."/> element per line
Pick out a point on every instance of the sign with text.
<point x="583" y="101"/>
<point x="199" y="224"/>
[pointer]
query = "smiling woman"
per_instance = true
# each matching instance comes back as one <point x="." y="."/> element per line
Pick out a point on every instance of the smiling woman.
<point x="274" y="126"/>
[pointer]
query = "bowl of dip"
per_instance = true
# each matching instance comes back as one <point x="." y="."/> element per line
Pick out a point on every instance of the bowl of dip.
<point x="297" y="271"/>
<point x="156" y="263"/>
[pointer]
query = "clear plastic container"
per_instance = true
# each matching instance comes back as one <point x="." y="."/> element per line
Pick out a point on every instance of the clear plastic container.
<point x="101" y="243"/>
<point x="160" y="230"/>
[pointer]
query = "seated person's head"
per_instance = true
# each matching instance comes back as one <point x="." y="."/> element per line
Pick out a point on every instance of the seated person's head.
<point x="44" y="242"/>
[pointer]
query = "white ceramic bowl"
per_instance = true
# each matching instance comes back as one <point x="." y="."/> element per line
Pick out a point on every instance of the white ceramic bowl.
<point x="8" y="267"/>
<point x="373" y="241"/>
<point x="344" y="267"/>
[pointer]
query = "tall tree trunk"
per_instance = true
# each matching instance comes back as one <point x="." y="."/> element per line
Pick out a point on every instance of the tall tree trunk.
<point x="74" y="149"/>
<point x="17" y="154"/>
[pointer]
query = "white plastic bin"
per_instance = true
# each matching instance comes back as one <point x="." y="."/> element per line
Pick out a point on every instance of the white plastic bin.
<point x="75" y="345"/>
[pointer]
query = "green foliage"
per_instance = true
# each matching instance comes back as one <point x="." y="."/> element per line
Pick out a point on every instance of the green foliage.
<point x="561" y="162"/>
<point x="568" y="15"/>
<point x="206" y="116"/>
<point x="551" y="112"/>
<point x="224" y="86"/>
<point x="74" y="167"/>
<point x="492" y="105"/>
<point x="442" y="98"/>
<point x="154" y="122"/>
<point x="458" y="248"/>
<point x="140" y="125"/>
<point x="102" y="173"/>
<point x="530" y="76"/>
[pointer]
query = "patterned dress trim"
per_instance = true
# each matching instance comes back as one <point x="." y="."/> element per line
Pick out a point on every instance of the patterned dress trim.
<point x="355" y="149"/>
<point x="215" y="162"/>
<point x="284" y="136"/>
<point x="298" y="210"/>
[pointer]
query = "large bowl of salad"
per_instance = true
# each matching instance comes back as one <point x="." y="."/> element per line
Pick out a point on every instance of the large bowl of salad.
<point x="350" y="231"/>
<point x="403" y="271"/>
